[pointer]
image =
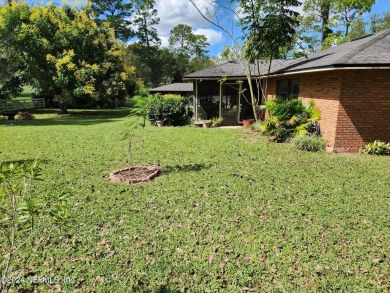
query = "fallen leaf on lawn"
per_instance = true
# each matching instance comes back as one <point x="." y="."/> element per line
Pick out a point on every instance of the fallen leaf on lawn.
<point x="211" y="258"/>
<point x="223" y="263"/>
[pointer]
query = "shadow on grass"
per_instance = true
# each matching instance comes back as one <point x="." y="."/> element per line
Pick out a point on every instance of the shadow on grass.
<point x="185" y="168"/>
<point x="48" y="117"/>
<point x="165" y="289"/>
<point x="160" y="289"/>
<point x="27" y="161"/>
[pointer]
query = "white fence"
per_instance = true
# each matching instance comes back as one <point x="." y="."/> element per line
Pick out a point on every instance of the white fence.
<point x="22" y="104"/>
<point x="12" y="107"/>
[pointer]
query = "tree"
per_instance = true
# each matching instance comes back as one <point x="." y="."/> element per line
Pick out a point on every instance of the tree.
<point x="349" y="11"/>
<point x="328" y="17"/>
<point x="157" y="65"/>
<point x="379" y="22"/>
<point x="117" y="13"/>
<point x="199" y="43"/>
<point x="66" y="54"/>
<point x="319" y="11"/>
<point x="11" y="79"/>
<point x="201" y="62"/>
<point x="267" y="27"/>
<point x="358" y="30"/>
<point x="185" y="41"/>
<point x="144" y="21"/>
<point x="180" y="37"/>
<point x="25" y="214"/>
<point x="189" y="50"/>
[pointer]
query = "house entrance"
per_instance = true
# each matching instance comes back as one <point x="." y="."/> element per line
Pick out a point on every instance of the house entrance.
<point x="230" y="103"/>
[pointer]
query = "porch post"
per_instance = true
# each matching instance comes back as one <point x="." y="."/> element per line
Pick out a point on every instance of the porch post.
<point x="220" y="100"/>
<point x="239" y="102"/>
<point x="196" y="100"/>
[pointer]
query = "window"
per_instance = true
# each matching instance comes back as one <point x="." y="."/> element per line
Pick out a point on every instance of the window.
<point x="288" y="88"/>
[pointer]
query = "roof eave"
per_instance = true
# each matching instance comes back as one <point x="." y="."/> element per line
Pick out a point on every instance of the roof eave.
<point x="194" y="78"/>
<point x="302" y="71"/>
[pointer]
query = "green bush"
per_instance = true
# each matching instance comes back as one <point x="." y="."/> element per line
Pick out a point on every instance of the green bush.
<point x="256" y="126"/>
<point x="210" y="107"/>
<point x="172" y="109"/>
<point x="377" y="147"/>
<point x="216" y="121"/>
<point x="310" y="143"/>
<point x="289" y="118"/>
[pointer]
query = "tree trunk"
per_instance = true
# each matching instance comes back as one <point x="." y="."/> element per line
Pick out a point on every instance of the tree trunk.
<point x="63" y="108"/>
<point x="64" y="100"/>
<point x="325" y="12"/>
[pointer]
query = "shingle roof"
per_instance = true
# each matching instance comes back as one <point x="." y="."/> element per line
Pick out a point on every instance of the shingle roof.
<point x="372" y="50"/>
<point x="234" y="69"/>
<point x="175" y="87"/>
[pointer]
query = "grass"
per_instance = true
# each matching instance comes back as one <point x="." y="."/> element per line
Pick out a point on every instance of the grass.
<point x="230" y="212"/>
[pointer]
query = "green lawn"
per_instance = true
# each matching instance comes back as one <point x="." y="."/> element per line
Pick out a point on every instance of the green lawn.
<point x="230" y="212"/>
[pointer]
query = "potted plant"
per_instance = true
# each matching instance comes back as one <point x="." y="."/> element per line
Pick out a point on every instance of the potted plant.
<point x="247" y="122"/>
<point x="160" y="123"/>
<point x="206" y="123"/>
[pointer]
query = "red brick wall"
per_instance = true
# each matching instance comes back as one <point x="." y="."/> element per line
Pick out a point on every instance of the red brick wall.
<point x="354" y="104"/>
<point x="364" y="113"/>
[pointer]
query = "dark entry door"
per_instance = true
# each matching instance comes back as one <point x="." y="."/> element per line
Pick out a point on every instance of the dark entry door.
<point x="230" y="104"/>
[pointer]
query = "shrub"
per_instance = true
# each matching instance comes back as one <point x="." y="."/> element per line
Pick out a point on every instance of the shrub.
<point x="256" y="126"/>
<point x="216" y="121"/>
<point x="289" y="118"/>
<point x="377" y="147"/>
<point x="310" y="143"/>
<point x="209" y="106"/>
<point x="172" y="109"/>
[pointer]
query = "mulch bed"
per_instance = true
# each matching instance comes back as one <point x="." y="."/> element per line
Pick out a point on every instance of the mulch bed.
<point x="135" y="174"/>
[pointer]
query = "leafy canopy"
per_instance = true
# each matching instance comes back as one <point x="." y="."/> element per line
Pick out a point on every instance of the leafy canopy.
<point x="268" y="26"/>
<point x="65" y="53"/>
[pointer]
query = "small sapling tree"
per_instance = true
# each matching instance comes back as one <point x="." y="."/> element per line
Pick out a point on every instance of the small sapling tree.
<point x="23" y="213"/>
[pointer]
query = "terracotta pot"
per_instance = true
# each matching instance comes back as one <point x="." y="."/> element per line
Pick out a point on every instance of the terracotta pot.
<point x="206" y="124"/>
<point x="160" y="123"/>
<point x="247" y="122"/>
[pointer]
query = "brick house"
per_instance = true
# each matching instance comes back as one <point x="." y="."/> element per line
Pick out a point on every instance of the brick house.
<point x="350" y="84"/>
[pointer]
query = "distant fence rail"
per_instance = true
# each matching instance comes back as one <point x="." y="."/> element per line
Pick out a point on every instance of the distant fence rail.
<point x="12" y="107"/>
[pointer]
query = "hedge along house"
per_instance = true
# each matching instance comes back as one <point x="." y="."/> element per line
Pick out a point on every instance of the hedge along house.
<point x="350" y="84"/>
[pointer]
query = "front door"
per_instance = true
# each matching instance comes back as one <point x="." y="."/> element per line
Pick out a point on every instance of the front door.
<point x="230" y="103"/>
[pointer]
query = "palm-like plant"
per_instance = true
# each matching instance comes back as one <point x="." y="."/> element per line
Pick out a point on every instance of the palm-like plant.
<point x="289" y="118"/>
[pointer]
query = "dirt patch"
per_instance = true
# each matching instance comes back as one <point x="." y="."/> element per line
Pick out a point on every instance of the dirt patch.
<point x="135" y="174"/>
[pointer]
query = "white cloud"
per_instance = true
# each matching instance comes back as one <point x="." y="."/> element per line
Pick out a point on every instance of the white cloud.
<point x="164" y="41"/>
<point x="174" y="12"/>
<point x="213" y="37"/>
<point x="298" y="9"/>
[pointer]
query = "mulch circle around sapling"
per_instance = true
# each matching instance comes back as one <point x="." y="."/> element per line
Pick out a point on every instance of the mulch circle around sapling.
<point x="135" y="174"/>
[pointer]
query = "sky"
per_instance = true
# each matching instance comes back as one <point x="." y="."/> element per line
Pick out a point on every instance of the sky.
<point x="174" y="12"/>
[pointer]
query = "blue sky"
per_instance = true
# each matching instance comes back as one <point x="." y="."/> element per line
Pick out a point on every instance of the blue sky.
<point x="174" y="12"/>
<point x="379" y="7"/>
